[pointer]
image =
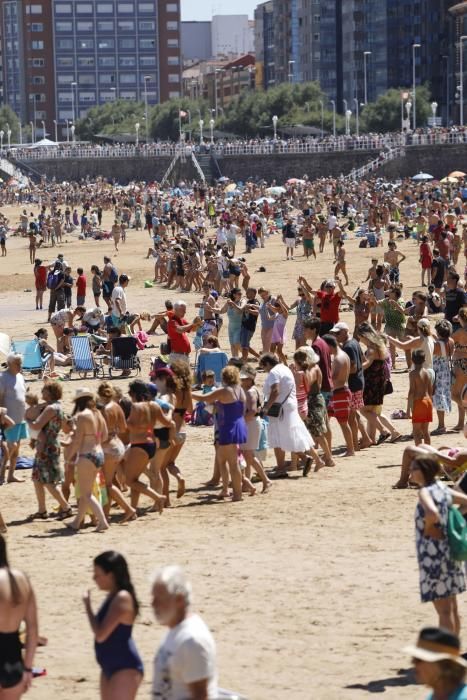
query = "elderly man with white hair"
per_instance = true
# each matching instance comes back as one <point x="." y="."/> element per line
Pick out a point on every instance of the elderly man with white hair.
<point x="177" y="330"/>
<point x="13" y="398"/>
<point x="185" y="664"/>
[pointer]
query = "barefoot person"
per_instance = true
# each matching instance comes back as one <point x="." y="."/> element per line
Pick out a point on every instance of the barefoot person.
<point x="340" y="403"/>
<point x="17" y="605"/>
<point x="116" y="653"/>
<point x="420" y="393"/>
<point x="13" y="398"/>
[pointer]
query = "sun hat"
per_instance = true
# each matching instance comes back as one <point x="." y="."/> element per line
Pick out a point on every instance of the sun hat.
<point x="436" y="644"/>
<point x="248" y="372"/>
<point x="312" y="356"/>
<point x="341" y="326"/>
<point x="83" y="392"/>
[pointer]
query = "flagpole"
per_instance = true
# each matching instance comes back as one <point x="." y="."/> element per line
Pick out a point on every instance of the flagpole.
<point x="180" y="123"/>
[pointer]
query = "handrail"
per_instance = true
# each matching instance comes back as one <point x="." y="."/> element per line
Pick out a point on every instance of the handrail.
<point x="198" y="167"/>
<point x="375" y="164"/>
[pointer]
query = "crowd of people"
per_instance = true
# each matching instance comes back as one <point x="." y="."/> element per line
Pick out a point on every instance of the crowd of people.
<point x="255" y="394"/>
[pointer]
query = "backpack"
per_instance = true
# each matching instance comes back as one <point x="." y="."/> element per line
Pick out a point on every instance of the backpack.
<point x="52" y="280"/>
<point x="113" y="277"/>
<point x="457" y="534"/>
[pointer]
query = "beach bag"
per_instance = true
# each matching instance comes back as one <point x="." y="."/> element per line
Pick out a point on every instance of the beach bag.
<point x="52" y="280"/>
<point x="457" y="534"/>
<point x="276" y="410"/>
<point x="113" y="277"/>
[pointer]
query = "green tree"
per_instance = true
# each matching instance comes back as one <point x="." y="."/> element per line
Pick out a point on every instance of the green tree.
<point x="111" y="118"/>
<point x="9" y="120"/>
<point x="385" y="114"/>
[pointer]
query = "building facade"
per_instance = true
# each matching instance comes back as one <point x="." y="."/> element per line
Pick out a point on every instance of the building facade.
<point x="196" y="41"/>
<point x="61" y="58"/>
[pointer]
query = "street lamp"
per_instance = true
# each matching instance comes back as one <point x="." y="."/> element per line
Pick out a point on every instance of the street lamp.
<point x="291" y="71"/>
<point x="56" y="130"/>
<point x="2" y="134"/>
<point x="461" y="86"/>
<point x="32" y="131"/>
<point x="8" y="133"/>
<point x="113" y="90"/>
<point x="348" y="114"/>
<point x="365" y="75"/>
<point x="73" y="85"/>
<point x="333" y="118"/>
<point x="137" y="125"/>
<point x="43" y="128"/>
<point x="414" y="47"/>
<point x="201" y="124"/>
<point x="322" y="118"/>
<point x="216" y="71"/>
<point x="274" y="126"/>
<point x="344" y="102"/>
<point x="357" y="116"/>
<point x="408" y="106"/>
<point x="73" y="132"/>
<point x="211" y="126"/>
<point x="434" y="107"/>
<point x="20" y="133"/>
<point x="146" y="79"/>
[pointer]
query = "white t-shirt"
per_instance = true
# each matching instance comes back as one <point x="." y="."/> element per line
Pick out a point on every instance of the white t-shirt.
<point x="187" y="655"/>
<point x="332" y="222"/>
<point x="118" y="293"/>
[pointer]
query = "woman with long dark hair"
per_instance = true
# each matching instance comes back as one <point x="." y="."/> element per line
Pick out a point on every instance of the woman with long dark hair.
<point x="17" y="604"/>
<point x="116" y="653"/>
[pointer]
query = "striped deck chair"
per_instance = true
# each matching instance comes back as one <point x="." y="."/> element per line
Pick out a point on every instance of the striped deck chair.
<point x="83" y="359"/>
<point x="33" y="361"/>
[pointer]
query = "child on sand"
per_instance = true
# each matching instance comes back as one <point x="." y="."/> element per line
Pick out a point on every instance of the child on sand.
<point x="420" y="393"/>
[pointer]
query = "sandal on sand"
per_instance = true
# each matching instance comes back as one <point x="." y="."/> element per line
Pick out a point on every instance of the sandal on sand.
<point x="37" y="516"/>
<point x="382" y="438"/>
<point x="307" y="467"/>
<point x="65" y="514"/>
<point x="278" y="475"/>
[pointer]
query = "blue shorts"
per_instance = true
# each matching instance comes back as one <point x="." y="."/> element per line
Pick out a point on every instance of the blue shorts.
<point x="245" y="337"/>
<point x="17" y="432"/>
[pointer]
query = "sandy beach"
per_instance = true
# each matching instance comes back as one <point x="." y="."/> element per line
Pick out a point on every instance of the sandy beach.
<point x="310" y="590"/>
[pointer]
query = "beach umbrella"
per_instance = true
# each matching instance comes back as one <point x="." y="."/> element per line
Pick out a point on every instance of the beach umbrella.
<point x="449" y="179"/>
<point x="295" y="181"/>
<point x="457" y="174"/>
<point x="261" y="200"/>
<point x="231" y="187"/>
<point x="276" y="190"/>
<point x="224" y="179"/>
<point x="422" y="177"/>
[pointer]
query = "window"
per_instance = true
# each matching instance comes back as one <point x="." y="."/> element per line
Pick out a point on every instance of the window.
<point x="127" y="61"/>
<point x="126" y="43"/>
<point x="87" y="79"/>
<point x="108" y="96"/>
<point x="172" y="26"/>
<point x="147" y="61"/>
<point x="38" y="97"/>
<point x="84" y="8"/>
<point x="86" y="61"/>
<point x="106" y="61"/>
<point x="105" y="8"/>
<point x="65" y="79"/>
<point x="37" y="27"/>
<point x="64" y="96"/>
<point x="65" y="115"/>
<point x="33" y="9"/>
<point x="64" y="26"/>
<point x="172" y="43"/>
<point x="106" y="78"/>
<point x="63" y="8"/>
<point x="147" y="26"/>
<point x="105" y="43"/>
<point x="40" y="114"/>
<point x="128" y="95"/>
<point x="174" y="78"/>
<point x="85" y="26"/>
<point x="126" y="25"/>
<point x="145" y="7"/>
<point x="173" y="60"/>
<point x="174" y="94"/>
<point x="171" y="7"/>
<point x="66" y="44"/>
<point x="87" y="96"/>
<point x="37" y="45"/>
<point x="125" y="8"/>
<point x="147" y="43"/>
<point x="65" y="61"/>
<point x="127" y="78"/>
<point x="38" y="80"/>
<point x="85" y="44"/>
<point x="105" y="26"/>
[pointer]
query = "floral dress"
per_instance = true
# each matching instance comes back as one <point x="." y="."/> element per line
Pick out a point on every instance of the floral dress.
<point x="46" y="468"/>
<point x="440" y="575"/>
<point x="442" y="370"/>
<point x="303" y="311"/>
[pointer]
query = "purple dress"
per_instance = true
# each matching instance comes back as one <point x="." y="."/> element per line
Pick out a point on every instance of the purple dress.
<point x="230" y="423"/>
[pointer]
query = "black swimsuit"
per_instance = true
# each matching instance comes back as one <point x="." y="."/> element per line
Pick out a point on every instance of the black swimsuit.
<point x="11" y="660"/>
<point x="148" y="447"/>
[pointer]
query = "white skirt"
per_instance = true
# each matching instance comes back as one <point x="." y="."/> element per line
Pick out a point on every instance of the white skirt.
<point x="289" y="432"/>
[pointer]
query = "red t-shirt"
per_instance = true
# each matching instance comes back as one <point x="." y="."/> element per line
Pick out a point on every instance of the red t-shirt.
<point x="329" y="310"/>
<point x="179" y="342"/>
<point x="81" y="286"/>
<point x="322" y="348"/>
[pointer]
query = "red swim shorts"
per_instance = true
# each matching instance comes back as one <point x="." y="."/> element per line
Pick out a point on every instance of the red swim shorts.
<point x="339" y="406"/>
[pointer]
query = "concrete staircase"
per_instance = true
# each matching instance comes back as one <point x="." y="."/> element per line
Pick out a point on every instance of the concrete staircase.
<point x="392" y="154"/>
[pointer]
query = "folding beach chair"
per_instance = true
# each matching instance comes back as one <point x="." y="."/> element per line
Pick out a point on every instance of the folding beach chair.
<point x="33" y="361"/>
<point x="124" y="355"/>
<point x="215" y="361"/>
<point x="82" y="358"/>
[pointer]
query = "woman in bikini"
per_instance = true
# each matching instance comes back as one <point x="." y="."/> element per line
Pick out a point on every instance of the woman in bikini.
<point x="90" y="432"/>
<point x="166" y="391"/>
<point x="362" y="303"/>
<point x="144" y="414"/>
<point x="17" y="605"/>
<point x="377" y="287"/>
<point x="459" y="366"/>
<point x="113" y="448"/>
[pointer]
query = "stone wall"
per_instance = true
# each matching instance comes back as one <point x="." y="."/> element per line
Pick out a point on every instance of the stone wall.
<point x="436" y="160"/>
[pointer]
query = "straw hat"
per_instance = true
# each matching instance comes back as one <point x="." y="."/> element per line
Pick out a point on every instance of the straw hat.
<point x="83" y="392"/>
<point x="436" y="644"/>
<point x="310" y="353"/>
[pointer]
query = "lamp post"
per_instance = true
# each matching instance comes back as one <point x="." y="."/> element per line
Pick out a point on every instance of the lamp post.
<point x="201" y="124"/>
<point x="348" y="114"/>
<point x="20" y="134"/>
<point x="146" y="79"/>
<point x="274" y="126"/>
<point x="211" y="126"/>
<point x="322" y="117"/>
<point x="414" y="98"/>
<point x="34" y="112"/>
<point x="73" y="132"/>
<point x="291" y="71"/>
<point x="344" y="102"/>
<point x="461" y="85"/>
<point x="113" y="90"/>
<point x="73" y="85"/>
<point x="357" y="116"/>
<point x="408" y="106"/>
<point x="2" y="134"/>
<point x="333" y="118"/>
<point x="43" y="128"/>
<point x="8" y="133"/>
<point x="137" y="125"/>
<point x="32" y="132"/>
<point x="56" y="130"/>
<point x="67" y="131"/>
<point x="365" y="75"/>
<point x="434" y="108"/>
